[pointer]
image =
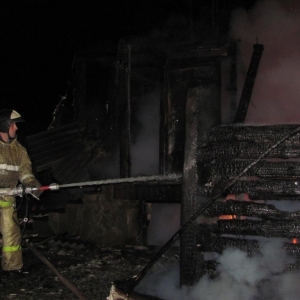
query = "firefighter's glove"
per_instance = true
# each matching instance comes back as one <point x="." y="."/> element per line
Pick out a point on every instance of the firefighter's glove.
<point x="35" y="184"/>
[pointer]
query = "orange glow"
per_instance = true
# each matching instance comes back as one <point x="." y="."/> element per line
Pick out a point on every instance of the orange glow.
<point x="240" y="197"/>
<point x="227" y="217"/>
<point x="294" y="241"/>
<point x="232" y="217"/>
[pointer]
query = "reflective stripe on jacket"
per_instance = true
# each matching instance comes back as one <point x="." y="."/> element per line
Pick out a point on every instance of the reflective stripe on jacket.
<point x="11" y="248"/>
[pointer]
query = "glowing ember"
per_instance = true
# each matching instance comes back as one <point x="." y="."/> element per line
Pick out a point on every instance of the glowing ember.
<point x="227" y="217"/>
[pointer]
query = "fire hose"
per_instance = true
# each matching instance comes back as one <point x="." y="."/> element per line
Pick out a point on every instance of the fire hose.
<point x="20" y="190"/>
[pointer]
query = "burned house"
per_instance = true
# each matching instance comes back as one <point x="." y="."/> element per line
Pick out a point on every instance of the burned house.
<point x="128" y="115"/>
<point x="155" y="127"/>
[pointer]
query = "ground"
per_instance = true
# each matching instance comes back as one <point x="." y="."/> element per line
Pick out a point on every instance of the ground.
<point x="89" y="268"/>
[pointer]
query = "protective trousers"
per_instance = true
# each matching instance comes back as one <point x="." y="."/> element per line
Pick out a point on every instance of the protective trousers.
<point x="11" y="239"/>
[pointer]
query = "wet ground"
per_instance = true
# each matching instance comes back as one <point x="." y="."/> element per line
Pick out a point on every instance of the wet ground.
<point x="86" y="267"/>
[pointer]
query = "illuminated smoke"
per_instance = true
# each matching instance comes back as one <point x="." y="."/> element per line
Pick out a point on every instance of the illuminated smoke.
<point x="276" y="93"/>
<point x="240" y="277"/>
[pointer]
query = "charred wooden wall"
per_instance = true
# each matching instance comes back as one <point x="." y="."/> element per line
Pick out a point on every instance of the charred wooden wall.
<point x="187" y="69"/>
<point x="191" y="106"/>
<point x="263" y="164"/>
<point x="230" y="149"/>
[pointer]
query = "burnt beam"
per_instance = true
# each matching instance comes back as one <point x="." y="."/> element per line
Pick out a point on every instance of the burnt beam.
<point x="250" y="209"/>
<point x="249" y="84"/>
<point x="268" y="189"/>
<point x="266" y="228"/>
<point x="248" y="150"/>
<point x="188" y="258"/>
<point x="262" y="173"/>
<point x="230" y="133"/>
<point x="263" y="169"/>
<point x="123" y="111"/>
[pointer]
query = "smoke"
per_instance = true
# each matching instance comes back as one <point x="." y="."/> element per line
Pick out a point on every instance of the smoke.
<point x="275" y="99"/>
<point x="276" y="25"/>
<point x="240" y="277"/>
<point x="286" y="205"/>
<point x="164" y="223"/>
<point x="145" y="143"/>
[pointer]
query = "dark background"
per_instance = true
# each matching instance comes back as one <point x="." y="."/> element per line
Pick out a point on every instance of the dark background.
<point x="40" y="38"/>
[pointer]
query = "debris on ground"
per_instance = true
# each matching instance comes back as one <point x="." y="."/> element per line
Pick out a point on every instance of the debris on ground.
<point x="90" y="268"/>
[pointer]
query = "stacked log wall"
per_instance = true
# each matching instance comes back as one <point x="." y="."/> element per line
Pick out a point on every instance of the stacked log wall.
<point x="230" y="149"/>
<point x="227" y="151"/>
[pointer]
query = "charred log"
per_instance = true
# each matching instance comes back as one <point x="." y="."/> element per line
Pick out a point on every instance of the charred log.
<point x="209" y="268"/>
<point x="249" y="83"/>
<point x="268" y="189"/>
<point x="250" y="246"/>
<point x="273" y="133"/>
<point x="250" y="209"/>
<point x="219" y="244"/>
<point x="293" y="267"/>
<point x="269" y="228"/>
<point x="249" y="150"/>
<point x="292" y="249"/>
<point x="211" y="175"/>
<point x="263" y="168"/>
<point x="259" y="189"/>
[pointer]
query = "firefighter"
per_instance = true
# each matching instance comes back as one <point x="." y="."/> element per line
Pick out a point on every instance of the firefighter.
<point x="15" y="167"/>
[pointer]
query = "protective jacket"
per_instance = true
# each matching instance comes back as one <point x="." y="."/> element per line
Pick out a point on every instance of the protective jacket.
<point x="15" y="166"/>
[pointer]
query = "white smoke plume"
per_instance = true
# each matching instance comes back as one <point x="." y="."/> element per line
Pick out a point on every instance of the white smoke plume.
<point x="276" y="25"/>
<point x="240" y="277"/>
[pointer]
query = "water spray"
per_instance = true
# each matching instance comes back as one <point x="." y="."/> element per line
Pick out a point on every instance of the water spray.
<point x="20" y="190"/>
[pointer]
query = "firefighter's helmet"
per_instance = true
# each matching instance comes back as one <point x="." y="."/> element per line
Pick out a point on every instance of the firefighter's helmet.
<point x="7" y="116"/>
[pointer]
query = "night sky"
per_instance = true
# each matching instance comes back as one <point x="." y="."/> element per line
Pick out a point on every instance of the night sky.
<point x="40" y="38"/>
